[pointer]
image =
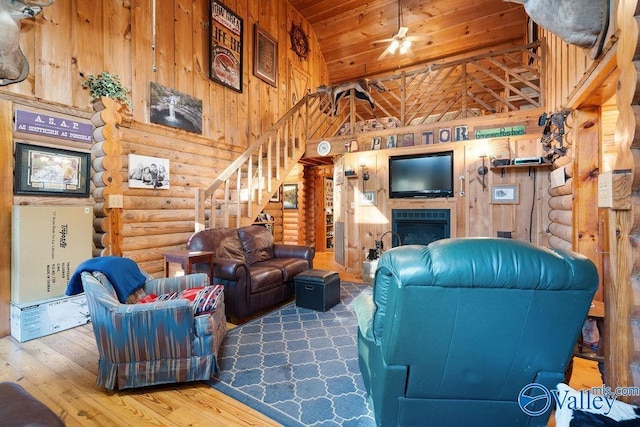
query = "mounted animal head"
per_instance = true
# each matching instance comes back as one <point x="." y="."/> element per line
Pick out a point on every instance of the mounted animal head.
<point x="578" y="22"/>
<point x="13" y="64"/>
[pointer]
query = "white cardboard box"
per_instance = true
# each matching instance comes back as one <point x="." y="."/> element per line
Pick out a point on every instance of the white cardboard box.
<point x="48" y="243"/>
<point x="37" y="319"/>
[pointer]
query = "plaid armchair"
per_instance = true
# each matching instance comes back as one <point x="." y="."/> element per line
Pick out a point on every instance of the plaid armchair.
<point x="157" y="342"/>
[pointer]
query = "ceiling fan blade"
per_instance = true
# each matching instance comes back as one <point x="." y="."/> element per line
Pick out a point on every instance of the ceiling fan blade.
<point x="402" y="31"/>
<point x="382" y="41"/>
<point x="410" y="53"/>
<point x="383" y="54"/>
<point x="417" y="38"/>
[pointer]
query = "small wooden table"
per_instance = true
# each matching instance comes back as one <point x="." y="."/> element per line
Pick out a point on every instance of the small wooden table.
<point x="187" y="259"/>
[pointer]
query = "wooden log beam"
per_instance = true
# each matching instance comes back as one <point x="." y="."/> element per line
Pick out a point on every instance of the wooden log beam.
<point x="558" y="243"/>
<point x="586" y="233"/>
<point x="564" y="203"/>
<point x="565" y="232"/>
<point x="561" y="217"/>
<point x="564" y="190"/>
<point x="619" y="306"/>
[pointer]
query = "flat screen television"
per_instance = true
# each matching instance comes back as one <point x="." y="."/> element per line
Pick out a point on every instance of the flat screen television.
<point x="421" y="175"/>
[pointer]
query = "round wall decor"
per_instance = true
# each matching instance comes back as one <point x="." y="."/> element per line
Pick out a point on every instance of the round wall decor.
<point x="324" y="148"/>
<point x="299" y="41"/>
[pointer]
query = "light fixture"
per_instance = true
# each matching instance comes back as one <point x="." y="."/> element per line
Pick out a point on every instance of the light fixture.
<point x="404" y="47"/>
<point x="394" y="46"/>
<point x="483" y="170"/>
<point x="365" y="175"/>
<point x="400" y="42"/>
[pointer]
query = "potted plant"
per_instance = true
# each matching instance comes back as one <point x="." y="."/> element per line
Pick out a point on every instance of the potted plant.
<point x="109" y="85"/>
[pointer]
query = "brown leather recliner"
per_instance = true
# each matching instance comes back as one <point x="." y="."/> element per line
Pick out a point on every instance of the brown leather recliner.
<point x="256" y="272"/>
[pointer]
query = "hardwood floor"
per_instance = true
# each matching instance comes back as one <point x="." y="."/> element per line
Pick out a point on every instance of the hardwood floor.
<point x="60" y="370"/>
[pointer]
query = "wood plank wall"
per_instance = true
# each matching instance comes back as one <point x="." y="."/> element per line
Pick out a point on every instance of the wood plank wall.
<point x="72" y="39"/>
<point x="472" y="214"/>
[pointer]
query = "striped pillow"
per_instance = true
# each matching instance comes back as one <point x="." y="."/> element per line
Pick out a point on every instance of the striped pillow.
<point x="204" y="300"/>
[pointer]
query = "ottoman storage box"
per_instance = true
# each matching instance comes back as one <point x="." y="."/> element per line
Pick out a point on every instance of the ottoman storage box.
<point x="317" y="289"/>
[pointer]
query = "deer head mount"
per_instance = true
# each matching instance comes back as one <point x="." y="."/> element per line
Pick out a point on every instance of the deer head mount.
<point x="582" y="23"/>
<point x="13" y="64"/>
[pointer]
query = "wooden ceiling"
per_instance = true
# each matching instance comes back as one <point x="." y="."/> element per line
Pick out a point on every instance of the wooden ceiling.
<point x="347" y="30"/>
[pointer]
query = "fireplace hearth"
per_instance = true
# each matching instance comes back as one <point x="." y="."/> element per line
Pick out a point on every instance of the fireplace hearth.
<point x="421" y="226"/>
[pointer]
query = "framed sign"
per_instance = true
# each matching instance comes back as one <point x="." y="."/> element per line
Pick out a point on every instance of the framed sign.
<point x="505" y="194"/>
<point x="49" y="171"/>
<point x="225" y="54"/>
<point x="265" y="56"/>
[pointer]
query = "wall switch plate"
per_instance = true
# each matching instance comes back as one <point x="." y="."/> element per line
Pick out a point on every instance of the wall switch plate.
<point x="605" y="190"/>
<point x="115" y="201"/>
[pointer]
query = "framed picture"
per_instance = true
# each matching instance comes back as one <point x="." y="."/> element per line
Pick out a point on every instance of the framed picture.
<point x="49" y="171"/>
<point x="169" y="107"/>
<point x="265" y="56"/>
<point x="276" y="196"/>
<point x="392" y="141"/>
<point x="508" y="194"/>
<point x="461" y="133"/>
<point x="148" y="172"/>
<point x="427" y="137"/>
<point x="225" y="56"/>
<point x="376" y="142"/>
<point x="407" y="140"/>
<point x="444" y="135"/>
<point x="367" y="198"/>
<point x="290" y="196"/>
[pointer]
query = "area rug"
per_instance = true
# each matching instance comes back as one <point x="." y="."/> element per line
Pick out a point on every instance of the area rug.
<point x="298" y="366"/>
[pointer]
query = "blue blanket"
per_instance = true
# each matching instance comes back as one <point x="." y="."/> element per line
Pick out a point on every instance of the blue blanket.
<point x="123" y="273"/>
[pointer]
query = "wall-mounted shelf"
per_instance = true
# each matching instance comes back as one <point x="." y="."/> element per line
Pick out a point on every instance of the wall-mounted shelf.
<point x="530" y="165"/>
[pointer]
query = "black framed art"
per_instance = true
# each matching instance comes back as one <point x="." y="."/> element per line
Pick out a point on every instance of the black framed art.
<point x="225" y="55"/>
<point x="47" y="171"/>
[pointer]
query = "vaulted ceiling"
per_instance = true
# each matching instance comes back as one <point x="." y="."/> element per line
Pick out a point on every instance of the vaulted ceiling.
<point x="347" y="30"/>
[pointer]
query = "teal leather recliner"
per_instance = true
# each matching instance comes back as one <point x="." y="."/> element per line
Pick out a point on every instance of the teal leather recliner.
<point x="453" y="331"/>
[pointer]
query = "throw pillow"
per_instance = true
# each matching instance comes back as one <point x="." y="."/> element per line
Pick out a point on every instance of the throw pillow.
<point x="204" y="300"/>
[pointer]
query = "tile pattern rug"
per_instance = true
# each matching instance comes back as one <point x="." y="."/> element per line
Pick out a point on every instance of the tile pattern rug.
<point x="299" y="366"/>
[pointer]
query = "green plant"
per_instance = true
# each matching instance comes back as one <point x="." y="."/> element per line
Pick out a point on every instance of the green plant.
<point x="107" y="84"/>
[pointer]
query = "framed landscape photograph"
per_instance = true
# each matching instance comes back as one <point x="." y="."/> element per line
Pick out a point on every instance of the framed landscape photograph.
<point x="169" y="107"/>
<point x="290" y="196"/>
<point x="265" y="56"/>
<point x="49" y="171"/>
<point x="225" y="54"/>
<point x="505" y="194"/>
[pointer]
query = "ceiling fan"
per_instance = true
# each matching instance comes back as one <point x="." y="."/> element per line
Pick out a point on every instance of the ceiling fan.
<point x="400" y="42"/>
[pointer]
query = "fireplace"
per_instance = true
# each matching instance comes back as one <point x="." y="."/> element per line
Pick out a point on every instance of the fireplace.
<point x="421" y="226"/>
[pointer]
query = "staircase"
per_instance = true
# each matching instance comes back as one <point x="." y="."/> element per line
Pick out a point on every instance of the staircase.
<point x="242" y="190"/>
